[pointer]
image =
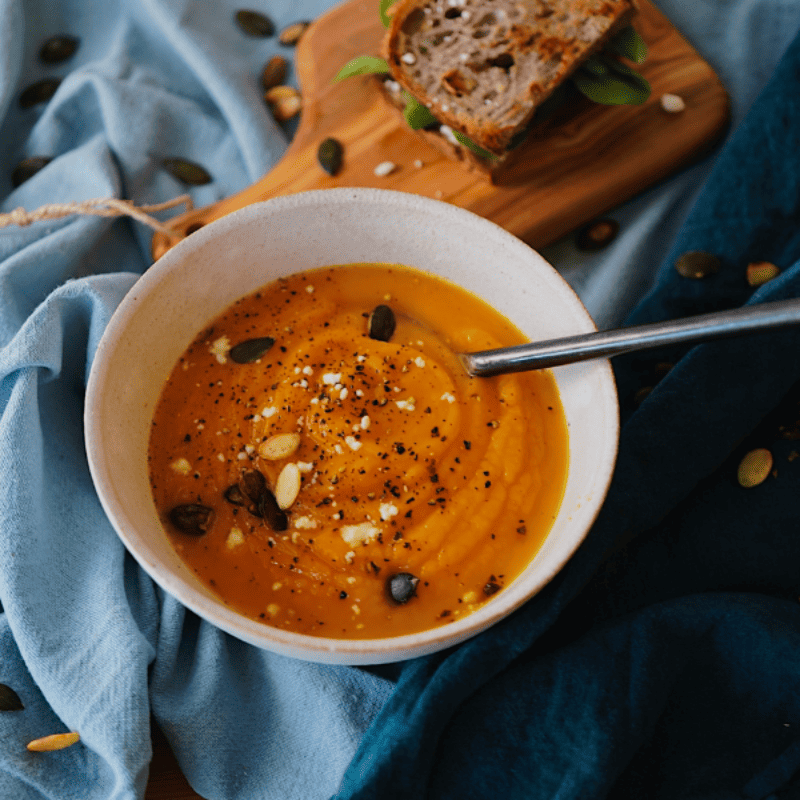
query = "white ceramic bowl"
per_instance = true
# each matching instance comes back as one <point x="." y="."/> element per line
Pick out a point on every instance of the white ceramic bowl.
<point x="231" y="257"/>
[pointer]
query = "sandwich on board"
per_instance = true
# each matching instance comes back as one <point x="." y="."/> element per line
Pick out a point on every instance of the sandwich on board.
<point x="476" y="75"/>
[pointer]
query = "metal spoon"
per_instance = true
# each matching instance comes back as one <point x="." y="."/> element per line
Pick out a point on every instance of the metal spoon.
<point x="604" y="344"/>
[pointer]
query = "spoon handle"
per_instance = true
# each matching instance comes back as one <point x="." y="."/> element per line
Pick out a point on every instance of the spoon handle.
<point x="604" y="344"/>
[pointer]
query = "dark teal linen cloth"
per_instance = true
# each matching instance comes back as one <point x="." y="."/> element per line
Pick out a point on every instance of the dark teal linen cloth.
<point x="664" y="661"/>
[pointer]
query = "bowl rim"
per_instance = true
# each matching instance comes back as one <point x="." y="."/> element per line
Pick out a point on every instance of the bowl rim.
<point x="305" y="646"/>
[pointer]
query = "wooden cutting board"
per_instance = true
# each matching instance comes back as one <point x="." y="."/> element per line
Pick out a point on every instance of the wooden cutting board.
<point x="594" y="159"/>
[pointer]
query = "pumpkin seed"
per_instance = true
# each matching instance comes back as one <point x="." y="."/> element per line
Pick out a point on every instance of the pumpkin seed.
<point x="754" y="468"/>
<point x="291" y="34"/>
<point x="58" y="48"/>
<point x="27" y="168"/>
<point x="287" y="487"/>
<point x="192" y="518"/>
<point x="760" y="272"/>
<point x="233" y="494"/>
<point x="697" y="264"/>
<point x="186" y="171"/>
<point x="254" y="23"/>
<point x="56" y="741"/>
<point x="274" y="72"/>
<point x="329" y="155"/>
<point x="250" y="350"/>
<point x="597" y="235"/>
<point x="272" y="513"/>
<point x="253" y="484"/>
<point x="39" y="92"/>
<point x="282" y="445"/>
<point x="381" y="323"/>
<point x="9" y="699"/>
<point x="284" y="101"/>
<point x="401" y="586"/>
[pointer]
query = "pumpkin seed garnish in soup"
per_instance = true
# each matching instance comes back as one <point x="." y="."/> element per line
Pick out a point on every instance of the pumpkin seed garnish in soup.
<point x="186" y="171"/>
<point x="251" y="350"/>
<point x="254" y="23"/>
<point x="233" y="494"/>
<point x="381" y="323"/>
<point x="329" y="155"/>
<point x="192" y="518"/>
<point x="272" y="513"/>
<point x="9" y="699"/>
<point x="58" y="48"/>
<point x="697" y="264"/>
<point x="402" y="587"/>
<point x="39" y="92"/>
<point x="27" y="168"/>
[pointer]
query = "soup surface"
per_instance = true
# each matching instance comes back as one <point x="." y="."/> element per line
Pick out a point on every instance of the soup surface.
<point x="327" y="474"/>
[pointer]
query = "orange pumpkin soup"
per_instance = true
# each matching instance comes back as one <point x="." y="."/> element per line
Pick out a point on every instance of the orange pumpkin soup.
<point x="323" y="463"/>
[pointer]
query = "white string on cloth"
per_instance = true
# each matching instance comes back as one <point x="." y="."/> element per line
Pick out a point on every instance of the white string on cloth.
<point x="106" y="207"/>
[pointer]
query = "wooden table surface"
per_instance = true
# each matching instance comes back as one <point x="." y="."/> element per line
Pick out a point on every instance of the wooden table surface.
<point x="167" y="782"/>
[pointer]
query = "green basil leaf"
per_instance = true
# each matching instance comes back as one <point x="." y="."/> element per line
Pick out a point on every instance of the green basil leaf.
<point x="628" y="44"/>
<point x="595" y="66"/>
<point x="470" y="145"/>
<point x="362" y="65"/>
<point x="621" y="86"/>
<point x="416" y="115"/>
<point x="384" y="6"/>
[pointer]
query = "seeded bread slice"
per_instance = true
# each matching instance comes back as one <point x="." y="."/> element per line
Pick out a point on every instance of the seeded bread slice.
<point x="484" y="66"/>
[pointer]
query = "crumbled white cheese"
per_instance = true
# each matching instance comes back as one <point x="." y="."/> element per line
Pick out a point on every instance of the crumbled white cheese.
<point x="352" y="443"/>
<point x="331" y="378"/>
<point x="235" y="538"/>
<point x="269" y="411"/>
<point x="362" y="533"/>
<point x="384" y="168"/>
<point x="365" y="423"/>
<point x="308" y="370"/>
<point x="449" y="397"/>
<point x="388" y="510"/>
<point x="310" y="289"/>
<point x="419" y="361"/>
<point x="418" y="163"/>
<point x="219" y="348"/>
<point x="305" y="466"/>
<point x="408" y="58"/>
<point x="181" y="466"/>
<point x="405" y="405"/>
<point x="305" y="523"/>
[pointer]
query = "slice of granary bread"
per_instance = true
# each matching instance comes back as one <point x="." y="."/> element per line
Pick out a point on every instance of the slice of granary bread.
<point x="483" y="66"/>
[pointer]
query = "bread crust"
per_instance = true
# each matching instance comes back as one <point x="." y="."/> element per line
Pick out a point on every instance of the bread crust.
<point x="484" y="68"/>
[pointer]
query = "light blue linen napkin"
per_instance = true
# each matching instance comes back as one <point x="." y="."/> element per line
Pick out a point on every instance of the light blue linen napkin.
<point x="88" y="642"/>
